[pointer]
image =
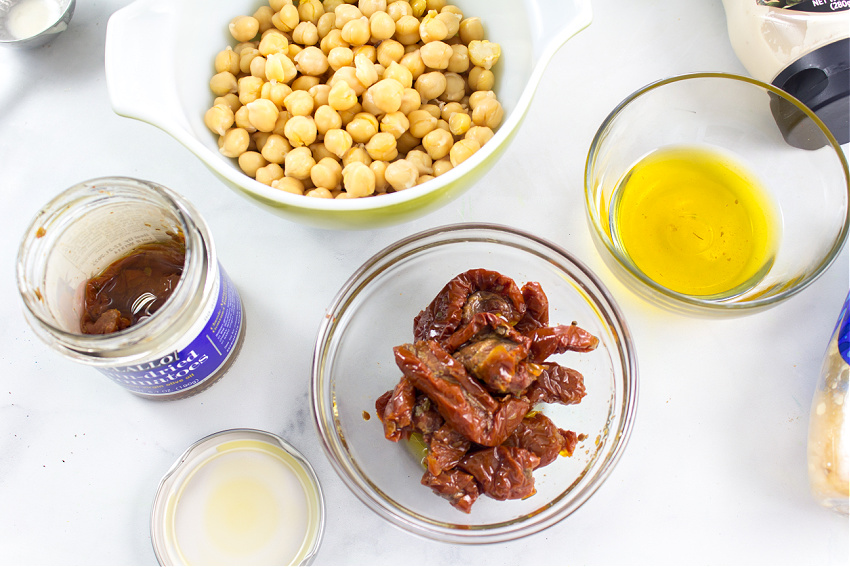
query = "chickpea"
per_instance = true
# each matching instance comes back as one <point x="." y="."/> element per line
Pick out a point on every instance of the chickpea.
<point x="481" y="134"/>
<point x="223" y="83"/>
<point x="219" y="119"/>
<point x="431" y="85"/>
<point x="389" y="50"/>
<point x="250" y="88"/>
<point x="478" y="96"/>
<point x="262" y="114"/>
<point x="421" y="123"/>
<point x="379" y="168"/>
<point x="407" y="30"/>
<point x="326" y="173"/>
<point x="346" y="13"/>
<point x="407" y="142"/>
<point x="369" y="7"/>
<point x="413" y="61"/>
<point x="240" y="120"/>
<point x="356" y="32"/>
<point x="471" y="29"/>
<point x="250" y="162"/>
<point x="433" y="110"/>
<point x="280" y="126"/>
<point x="340" y="57"/>
<point x="286" y="19"/>
<point x="483" y="53"/>
<point x="273" y="43"/>
<point x="435" y="5"/>
<point x="319" y="193"/>
<point x="358" y="179"/>
<point x="462" y="151"/>
<point x="293" y="49"/>
<point x="382" y="147"/>
<point x="227" y="60"/>
<point x="280" y="68"/>
<point x="436" y="54"/>
<point x="362" y="127"/>
<point x="258" y="67"/>
<point x="320" y="94"/>
<point x="275" y="92"/>
<point x="269" y="173"/>
<point x="277" y="5"/>
<point x="244" y="28"/>
<point x="298" y="163"/>
<point x="365" y="71"/>
<point x="349" y="75"/>
<point x="400" y="74"/>
<point x="231" y="100"/>
<point x="451" y="20"/>
<point x="419" y="7"/>
<point x="368" y="104"/>
<point x="342" y="96"/>
<point x="338" y="141"/>
<point x="300" y="130"/>
<point x="310" y="11"/>
<point x="401" y="174"/>
<point x="410" y="101"/>
<point x="289" y="185"/>
<point x="459" y="123"/>
<point x="320" y="152"/>
<point x="381" y="26"/>
<point x="356" y="153"/>
<point x="326" y="23"/>
<point x="488" y="113"/>
<point x="398" y="9"/>
<point x="333" y="39"/>
<point x="348" y="115"/>
<point x="258" y="140"/>
<point x="368" y="51"/>
<point x="438" y="143"/>
<point x="481" y="79"/>
<point x="311" y="61"/>
<point x="234" y="142"/>
<point x="395" y="123"/>
<point x="422" y="161"/>
<point x="299" y="103"/>
<point x="275" y="148"/>
<point x="386" y="94"/>
<point x="459" y="61"/>
<point x="441" y="166"/>
<point x="263" y="15"/>
<point x="326" y="119"/>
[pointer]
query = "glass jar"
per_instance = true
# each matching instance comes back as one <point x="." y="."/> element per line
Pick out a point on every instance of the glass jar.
<point x="186" y="345"/>
<point x="829" y="424"/>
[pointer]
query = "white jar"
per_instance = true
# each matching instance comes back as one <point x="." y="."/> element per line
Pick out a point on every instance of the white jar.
<point x="802" y="47"/>
<point x="186" y="345"/>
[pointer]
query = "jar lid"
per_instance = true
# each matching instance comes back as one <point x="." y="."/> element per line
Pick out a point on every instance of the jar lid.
<point x="238" y="497"/>
<point x="820" y="80"/>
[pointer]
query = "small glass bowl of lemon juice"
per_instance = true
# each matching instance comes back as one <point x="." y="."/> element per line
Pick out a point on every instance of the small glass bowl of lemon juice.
<point x="238" y="497"/>
<point x="696" y="199"/>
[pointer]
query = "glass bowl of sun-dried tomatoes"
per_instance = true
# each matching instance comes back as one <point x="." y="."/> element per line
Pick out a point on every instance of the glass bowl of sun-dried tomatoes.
<point x="474" y="383"/>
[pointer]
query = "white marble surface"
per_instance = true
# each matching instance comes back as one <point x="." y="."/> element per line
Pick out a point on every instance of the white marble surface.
<point x="715" y="471"/>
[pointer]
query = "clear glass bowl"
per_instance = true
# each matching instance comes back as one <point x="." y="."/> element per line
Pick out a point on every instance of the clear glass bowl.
<point x="353" y="365"/>
<point x="772" y="135"/>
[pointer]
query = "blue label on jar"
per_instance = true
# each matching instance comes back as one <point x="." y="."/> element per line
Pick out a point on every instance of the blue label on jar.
<point x="190" y="366"/>
<point x="843" y="331"/>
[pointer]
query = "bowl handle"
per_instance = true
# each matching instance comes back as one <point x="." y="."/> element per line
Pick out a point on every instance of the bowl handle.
<point x="138" y="64"/>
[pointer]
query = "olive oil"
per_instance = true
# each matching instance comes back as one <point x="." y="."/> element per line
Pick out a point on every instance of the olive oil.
<point x="695" y="222"/>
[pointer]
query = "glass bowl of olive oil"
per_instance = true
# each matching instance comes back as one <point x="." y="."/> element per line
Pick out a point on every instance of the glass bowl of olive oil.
<point x="698" y="196"/>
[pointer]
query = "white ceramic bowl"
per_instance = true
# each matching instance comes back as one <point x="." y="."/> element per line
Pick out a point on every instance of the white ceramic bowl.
<point x="171" y="45"/>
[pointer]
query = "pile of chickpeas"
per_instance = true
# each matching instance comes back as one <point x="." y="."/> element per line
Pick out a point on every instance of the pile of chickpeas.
<point x="353" y="98"/>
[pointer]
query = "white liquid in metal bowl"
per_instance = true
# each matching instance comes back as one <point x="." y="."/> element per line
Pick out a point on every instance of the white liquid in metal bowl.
<point x="31" y="17"/>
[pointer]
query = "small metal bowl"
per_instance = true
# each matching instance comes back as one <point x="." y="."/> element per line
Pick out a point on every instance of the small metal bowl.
<point x="9" y="39"/>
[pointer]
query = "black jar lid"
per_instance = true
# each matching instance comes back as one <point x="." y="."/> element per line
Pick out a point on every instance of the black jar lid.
<point x="820" y="80"/>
